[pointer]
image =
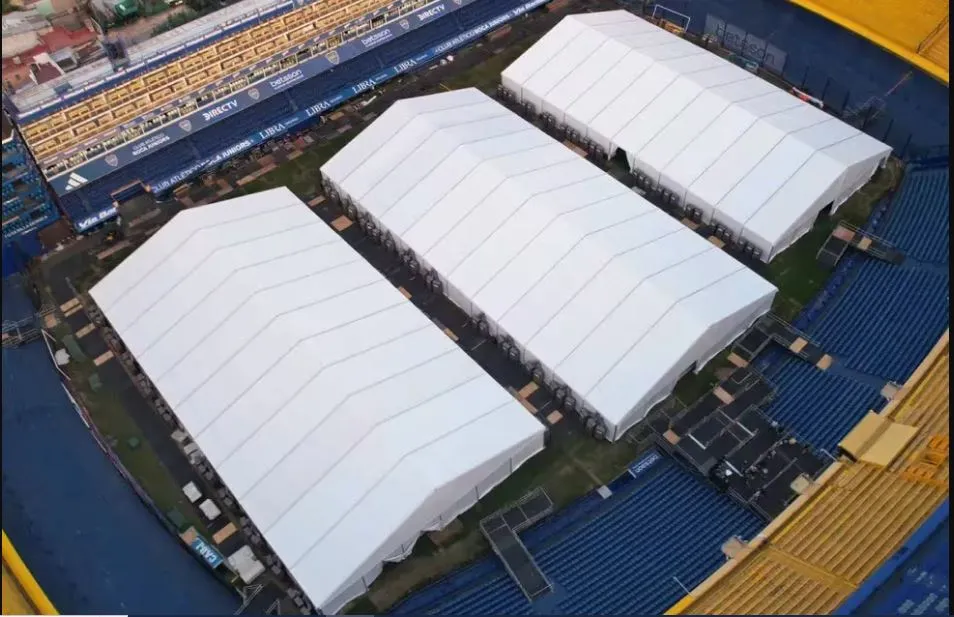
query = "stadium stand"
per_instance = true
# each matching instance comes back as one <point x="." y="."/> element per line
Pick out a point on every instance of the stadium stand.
<point x="916" y="580"/>
<point x="912" y="29"/>
<point x="27" y="205"/>
<point x="921" y="217"/>
<point x="628" y="554"/>
<point x="893" y="476"/>
<point x="222" y="135"/>
<point x="878" y="320"/>
<point x="805" y="43"/>
<point x="97" y="111"/>
<point x="97" y="195"/>
<point x="814" y="404"/>
<point x="21" y="593"/>
<point x="886" y="301"/>
<point x="90" y="542"/>
<point x="338" y="77"/>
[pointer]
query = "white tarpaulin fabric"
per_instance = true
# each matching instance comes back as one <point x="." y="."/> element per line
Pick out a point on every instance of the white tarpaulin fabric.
<point x="615" y="299"/>
<point x="342" y="419"/>
<point x="752" y="157"/>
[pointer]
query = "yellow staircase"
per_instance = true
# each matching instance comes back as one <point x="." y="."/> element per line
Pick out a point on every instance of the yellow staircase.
<point x="937" y="46"/>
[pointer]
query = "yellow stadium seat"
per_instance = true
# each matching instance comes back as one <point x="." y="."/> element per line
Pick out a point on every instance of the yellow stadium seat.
<point x="816" y="554"/>
<point x="916" y="30"/>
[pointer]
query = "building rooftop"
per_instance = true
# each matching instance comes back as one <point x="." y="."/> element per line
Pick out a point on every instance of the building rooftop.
<point x="57" y="39"/>
<point x="34" y="98"/>
<point x="22" y="21"/>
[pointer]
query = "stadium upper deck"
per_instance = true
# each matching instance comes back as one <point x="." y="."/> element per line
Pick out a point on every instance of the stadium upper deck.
<point x="66" y="131"/>
<point x="814" y="556"/>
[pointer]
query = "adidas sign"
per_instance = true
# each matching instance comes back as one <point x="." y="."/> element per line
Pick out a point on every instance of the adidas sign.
<point x="76" y="181"/>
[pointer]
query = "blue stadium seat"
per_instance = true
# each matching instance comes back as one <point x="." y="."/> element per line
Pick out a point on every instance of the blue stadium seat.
<point x="880" y="323"/>
<point x="355" y="70"/>
<point x="630" y="554"/>
<point x="819" y="407"/>
<point x="222" y="135"/>
<point x="887" y="319"/>
<point x="421" y="39"/>
<point x="480" y="12"/>
<point x="28" y="219"/>
<point x="920" y="219"/>
<point x="97" y="195"/>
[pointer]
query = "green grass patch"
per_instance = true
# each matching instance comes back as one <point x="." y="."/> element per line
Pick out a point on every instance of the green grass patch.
<point x="302" y="175"/>
<point x="693" y="385"/>
<point x="486" y="75"/>
<point x="123" y="434"/>
<point x="796" y="271"/>
<point x="131" y="447"/>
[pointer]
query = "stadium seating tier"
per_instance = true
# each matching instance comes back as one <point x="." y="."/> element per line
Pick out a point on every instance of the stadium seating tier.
<point x="913" y="28"/>
<point x="130" y="100"/>
<point x="629" y="554"/>
<point x="827" y="545"/>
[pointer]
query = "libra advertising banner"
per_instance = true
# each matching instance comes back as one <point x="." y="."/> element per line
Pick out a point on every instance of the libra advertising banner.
<point x="289" y="123"/>
<point x="242" y="100"/>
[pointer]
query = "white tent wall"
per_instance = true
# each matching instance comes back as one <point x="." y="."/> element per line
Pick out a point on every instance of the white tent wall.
<point x="718" y="137"/>
<point x="709" y="345"/>
<point x="342" y="420"/>
<point x="447" y="500"/>
<point x="863" y="156"/>
<point x="730" y="320"/>
<point x="487" y="202"/>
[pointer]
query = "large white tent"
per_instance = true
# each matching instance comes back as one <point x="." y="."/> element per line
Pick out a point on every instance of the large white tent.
<point x="752" y="157"/>
<point x="343" y="420"/>
<point x="612" y="297"/>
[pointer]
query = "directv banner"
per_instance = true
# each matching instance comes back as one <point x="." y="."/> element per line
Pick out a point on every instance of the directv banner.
<point x="242" y="100"/>
<point x="287" y="124"/>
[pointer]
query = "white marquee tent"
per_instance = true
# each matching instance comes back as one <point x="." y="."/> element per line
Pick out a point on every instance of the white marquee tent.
<point x="342" y="419"/>
<point x="612" y="297"/>
<point x="751" y="156"/>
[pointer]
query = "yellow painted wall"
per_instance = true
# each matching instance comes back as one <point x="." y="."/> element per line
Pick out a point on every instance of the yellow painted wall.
<point x="21" y="593"/>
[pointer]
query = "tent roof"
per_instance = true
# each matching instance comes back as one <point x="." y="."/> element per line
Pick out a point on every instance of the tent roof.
<point x="328" y="403"/>
<point x="602" y="287"/>
<point x="732" y="140"/>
